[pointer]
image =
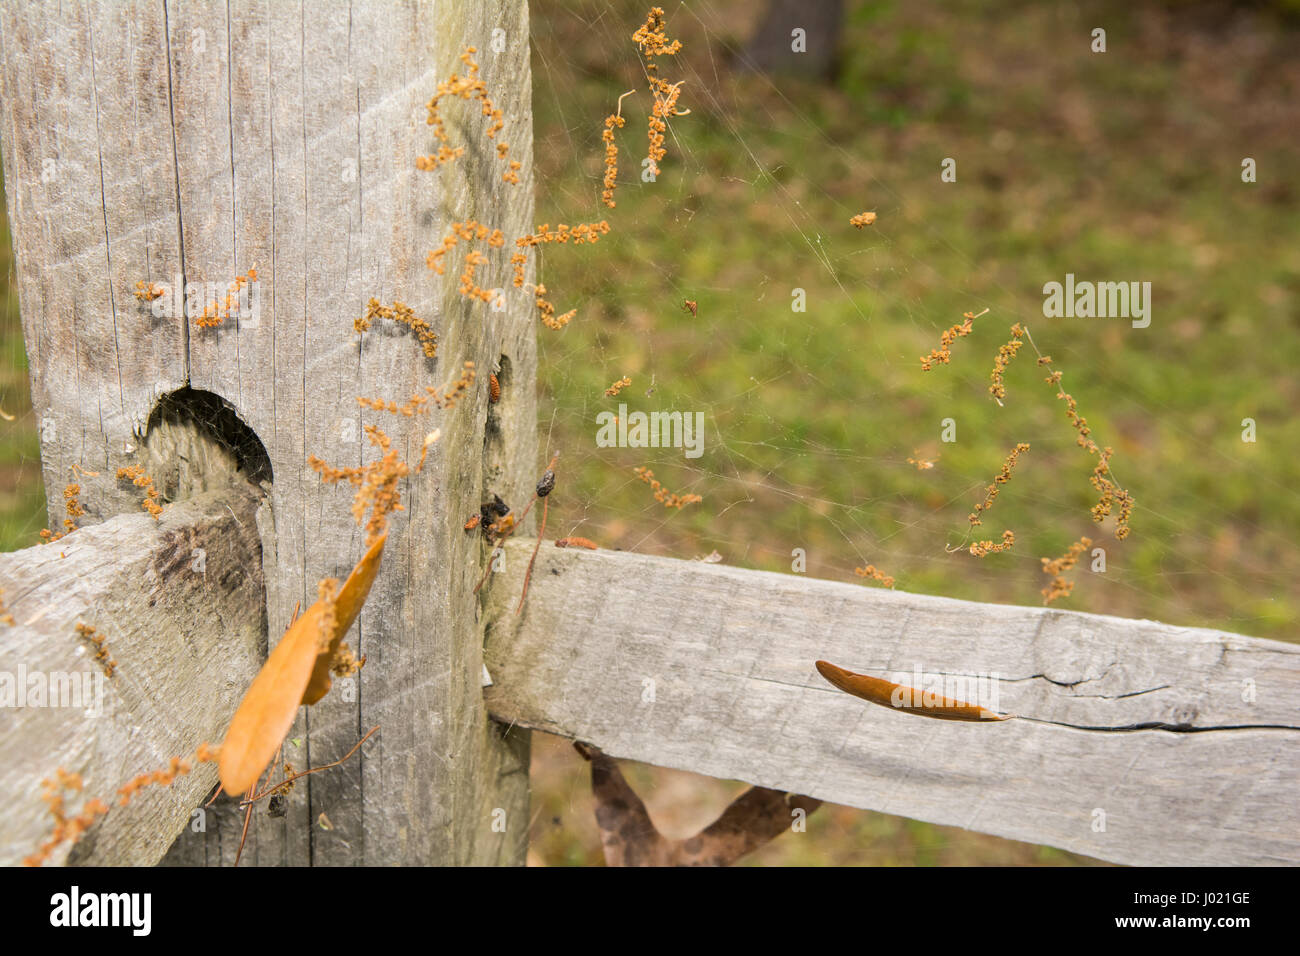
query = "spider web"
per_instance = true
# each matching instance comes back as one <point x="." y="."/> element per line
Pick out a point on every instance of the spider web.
<point x="755" y="456"/>
<point x="812" y="417"/>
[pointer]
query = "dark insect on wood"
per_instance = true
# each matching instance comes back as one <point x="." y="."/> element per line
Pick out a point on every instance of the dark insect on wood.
<point x="546" y="483"/>
<point x="492" y="510"/>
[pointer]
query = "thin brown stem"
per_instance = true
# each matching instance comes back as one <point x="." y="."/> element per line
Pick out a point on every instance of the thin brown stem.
<point x="529" y="573"/>
<point x="287" y="780"/>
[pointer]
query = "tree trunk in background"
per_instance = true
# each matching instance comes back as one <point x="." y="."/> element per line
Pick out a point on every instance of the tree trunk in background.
<point x="772" y="48"/>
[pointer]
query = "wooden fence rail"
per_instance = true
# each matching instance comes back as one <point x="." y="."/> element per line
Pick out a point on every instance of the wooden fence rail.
<point x="1138" y="742"/>
<point x="180" y="605"/>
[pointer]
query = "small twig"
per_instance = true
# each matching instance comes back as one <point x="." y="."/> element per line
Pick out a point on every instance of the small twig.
<point x="488" y="570"/>
<point x="279" y="755"/>
<point x="620" y="102"/>
<point x="291" y="779"/>
<point x="248" y="813"/>
<point x="529" y="573"/>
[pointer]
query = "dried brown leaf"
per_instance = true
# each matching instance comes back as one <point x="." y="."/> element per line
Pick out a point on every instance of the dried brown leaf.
<point x="909" y="700"/>
<point x="629" y="837"/>
<point x="290" y="677"/>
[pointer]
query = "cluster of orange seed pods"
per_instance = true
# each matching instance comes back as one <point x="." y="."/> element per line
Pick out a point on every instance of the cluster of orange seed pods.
<point x="653" y="42"/>
<point x="875" y="574"/>
<point x="96" y="640"/>
<point x="469" y="87"/>
<point x="662" y="494"/>
<point x="943" y="354"/>
<point x="71" y="504"/>
<point x="138" y="477"/>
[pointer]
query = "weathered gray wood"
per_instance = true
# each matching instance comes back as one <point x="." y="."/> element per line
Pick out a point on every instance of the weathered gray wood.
<point x="202" y="139"/>
<point x="1210" y="778"/>
<point x="180" y="603"/>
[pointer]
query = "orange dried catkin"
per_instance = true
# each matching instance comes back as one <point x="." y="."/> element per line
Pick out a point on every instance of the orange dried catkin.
<point x="547" y="311"/>
<point x="572" y="542"/>
<point x="71" y="829"/>
<point x="1005" y="354"/>
<point x="106" y="663"/>
<point x="72" y="505"/>
<point x="875" y="574"/>
<point x="402" y="315"/>
<point x="467" y="87"/>
<point x="148" y="291"/>
<point x="563" y="234"/>
<point x="943" y="354"/>
<point x="376" y="484"/>
<point x="1112" y="495"/>
<point x="214" y="314"/>
<point x="653" y="42"/>
<point x="662" y="495"/>
<point x="1059" y="587"/>
<point x="982" y="548"/>
<point x="138" y="477"/>
<point x="1003" y="476"/>
<point x="584" y="232"/>
<point x="468" y="231"/>
<point x="613" y="121"/>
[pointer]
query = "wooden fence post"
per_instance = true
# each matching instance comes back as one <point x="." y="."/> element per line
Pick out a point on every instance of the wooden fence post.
<point x="147" y="142"/>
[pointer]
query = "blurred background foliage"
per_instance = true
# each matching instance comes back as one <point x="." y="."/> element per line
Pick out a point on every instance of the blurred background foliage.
<point x="1117" y="166"/>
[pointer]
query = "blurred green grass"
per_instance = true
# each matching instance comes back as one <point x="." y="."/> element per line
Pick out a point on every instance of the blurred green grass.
<point x="1064" y="165"/>
<point x="1118" y="166"/>
<point x="22" y="492"/>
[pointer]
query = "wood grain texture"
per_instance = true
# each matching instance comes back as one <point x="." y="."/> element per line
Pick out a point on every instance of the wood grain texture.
<point x="1186" y="739"/>
<point x="179" y="602"/>
<point x="202" y="139"/>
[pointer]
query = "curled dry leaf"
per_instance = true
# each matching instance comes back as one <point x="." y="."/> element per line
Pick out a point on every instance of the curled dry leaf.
<point x="296" y="672"/>
<point x="629" y="838"/>
<point x="909" y="700"/>
<point x="347" y="606"/>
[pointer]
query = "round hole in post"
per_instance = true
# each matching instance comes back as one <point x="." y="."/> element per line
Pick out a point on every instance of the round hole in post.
<point x="195" y="441"/>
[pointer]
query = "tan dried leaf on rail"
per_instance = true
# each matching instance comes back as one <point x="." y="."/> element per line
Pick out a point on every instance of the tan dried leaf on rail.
<point x="909" y="700"/>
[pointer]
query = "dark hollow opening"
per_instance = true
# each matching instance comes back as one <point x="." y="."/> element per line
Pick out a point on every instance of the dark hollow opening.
<point x="217" y="420"/>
